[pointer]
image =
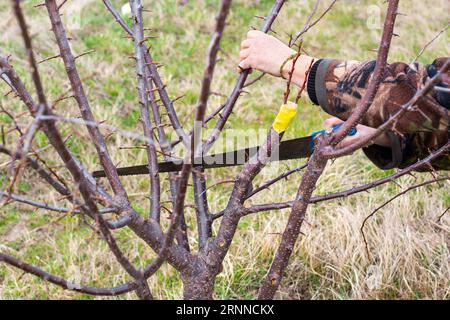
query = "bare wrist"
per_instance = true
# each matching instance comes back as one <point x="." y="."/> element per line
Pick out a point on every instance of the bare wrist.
<point x="299" y="75"/>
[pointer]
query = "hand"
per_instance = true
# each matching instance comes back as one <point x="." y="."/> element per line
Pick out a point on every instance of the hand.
<point x="267" y="54"/>
<point x="263" y="52"/>
<point x="362" y="131"/>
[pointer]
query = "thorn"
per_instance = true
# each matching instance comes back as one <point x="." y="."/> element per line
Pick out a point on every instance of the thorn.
<point x="178" y="98"/>
<point x="398" y="184"/>
<point x="63" y="3"/>
<point x="62" y="99"/>
<point x="50" y="58"/>
<point x="153" y="62"/>
<point x="83" y="54"/>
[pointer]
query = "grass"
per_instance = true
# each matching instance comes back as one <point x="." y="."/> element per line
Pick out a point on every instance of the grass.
<point x="409" y="248"/>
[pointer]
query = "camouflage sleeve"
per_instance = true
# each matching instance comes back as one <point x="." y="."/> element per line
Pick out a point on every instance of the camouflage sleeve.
<point x="337" y="86"/>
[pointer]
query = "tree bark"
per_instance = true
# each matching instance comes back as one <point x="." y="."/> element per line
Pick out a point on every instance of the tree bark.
<point x="198" y="285"/>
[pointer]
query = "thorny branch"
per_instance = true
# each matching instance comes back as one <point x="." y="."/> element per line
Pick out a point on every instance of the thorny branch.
<point x="317" y="163"/>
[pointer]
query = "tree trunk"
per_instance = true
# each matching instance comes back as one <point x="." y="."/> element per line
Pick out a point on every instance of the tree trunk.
<point x="198" y="286"/>
<point x="143" y="291"/>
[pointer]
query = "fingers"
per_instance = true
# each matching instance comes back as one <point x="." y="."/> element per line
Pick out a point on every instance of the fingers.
<point x="243" y="65"/>
<point x="361" y="133"/>
<point x="246" y="57"/>
<point x="330" y="122"/>
<point x="246" y="44"/>
<point x="349" y="140"/>
<point x="254" y="34"/>
<point x="244" y="54"/>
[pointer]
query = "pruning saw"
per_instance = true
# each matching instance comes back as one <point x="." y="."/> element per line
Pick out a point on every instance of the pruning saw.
<point x="290" y="149"/>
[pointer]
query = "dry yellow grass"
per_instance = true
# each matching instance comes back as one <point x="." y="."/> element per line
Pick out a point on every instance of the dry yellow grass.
<point x="409" y="247"/>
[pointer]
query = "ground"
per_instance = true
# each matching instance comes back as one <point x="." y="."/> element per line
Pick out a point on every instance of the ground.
<point x="409" y="248"/>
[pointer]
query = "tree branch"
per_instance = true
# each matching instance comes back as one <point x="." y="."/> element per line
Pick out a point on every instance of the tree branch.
<point x="229" y="105"/>
<point x="203" y="221"/>
<point x="392" y="199"/>
<point x="377" y="77"/>
<point x="82" y="101"/>
<point x="124" y="288"/>
<point x="317" y="163"/>
<point x="168" y="104"/>
<point x="155" y="185"/>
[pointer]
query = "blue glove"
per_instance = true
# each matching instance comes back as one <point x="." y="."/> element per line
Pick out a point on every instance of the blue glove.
<point x="334" y="128"/>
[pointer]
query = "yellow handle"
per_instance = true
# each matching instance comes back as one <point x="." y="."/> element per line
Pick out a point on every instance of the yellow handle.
<point x="284" y="117"/>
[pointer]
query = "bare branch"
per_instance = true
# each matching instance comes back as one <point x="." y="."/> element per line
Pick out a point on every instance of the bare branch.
<point x="234" y="210"/>
<point x="80" y="97"/>
<point x="392" y="199"/>
<point x="272" y="281"/>
<point x="155" y="185"/>
<point x="377" y="76"/>
<point x="429" y="43"/>
<point x="308" y="25"/>
<point x="58" y="186"/>
<point x="124" y="288"/>
<point x="275" y="180"/>
<point x="203" y="221"/>
<point x="168" y="104"/>
<point x="36" y="204"/>
<point x="32" y="61"/>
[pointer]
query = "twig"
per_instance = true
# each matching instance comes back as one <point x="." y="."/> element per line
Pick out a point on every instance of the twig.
<point x="275" y="180"/>
<point x="80" y="97"/>
<point x="389" y="201"/>
<point x="429" y="43"/>
<point x="309" y="25"/>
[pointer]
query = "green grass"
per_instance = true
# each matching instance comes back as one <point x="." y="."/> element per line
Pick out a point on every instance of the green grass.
<point x="408" y="245"/>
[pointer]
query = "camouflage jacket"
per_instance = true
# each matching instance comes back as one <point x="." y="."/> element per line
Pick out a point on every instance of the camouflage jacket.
<point x="337" y="86"/>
